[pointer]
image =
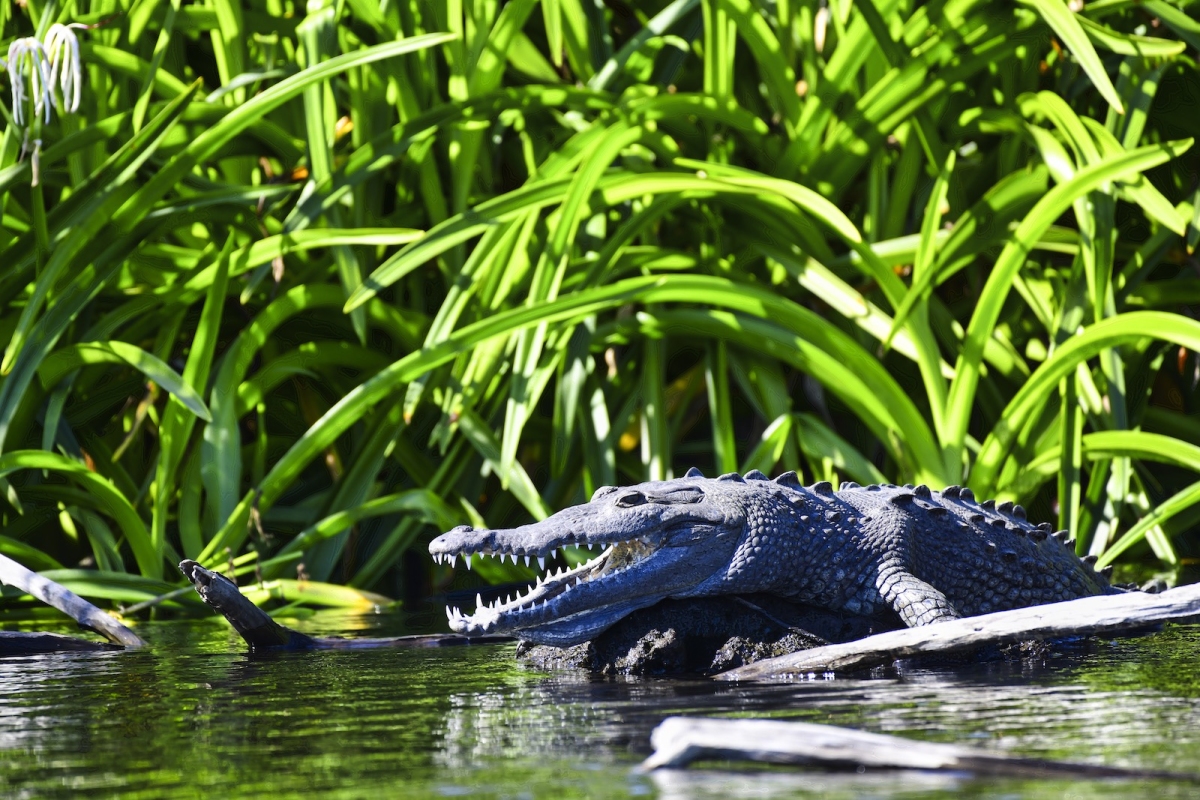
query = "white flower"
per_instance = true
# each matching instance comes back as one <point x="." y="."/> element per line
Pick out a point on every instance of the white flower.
<point x="63" y="46"/>
<point x="27" y="54"/>
<point x="43" y="66"/>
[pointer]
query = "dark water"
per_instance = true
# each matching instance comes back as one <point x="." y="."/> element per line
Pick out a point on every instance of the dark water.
<point x="195" y="715"/>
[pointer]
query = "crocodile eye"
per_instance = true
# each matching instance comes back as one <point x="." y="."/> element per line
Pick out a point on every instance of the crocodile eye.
<point x="602" y="491"/>
<point x="631" y="499"/>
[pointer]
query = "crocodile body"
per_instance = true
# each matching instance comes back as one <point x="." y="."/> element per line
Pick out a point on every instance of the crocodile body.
<point x="928" y="555"/>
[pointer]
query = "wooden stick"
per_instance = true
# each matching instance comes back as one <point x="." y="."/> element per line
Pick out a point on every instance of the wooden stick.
<point x="677" y="741"/>
<point x="1107" y="614"/>
<point x="67" y="602"/>
<point x="255" y="626"/>
<point x="263" y="633"/>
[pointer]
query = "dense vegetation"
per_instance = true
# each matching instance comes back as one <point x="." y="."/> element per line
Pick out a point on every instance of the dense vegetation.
<point x="295" y="286"/>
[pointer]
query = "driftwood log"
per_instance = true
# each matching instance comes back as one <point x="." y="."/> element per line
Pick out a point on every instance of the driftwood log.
<point x="263" y="633"/>
<point x="87" y="615"/>
<point x="678" y="741"/>
<point x="1106" y="614"/>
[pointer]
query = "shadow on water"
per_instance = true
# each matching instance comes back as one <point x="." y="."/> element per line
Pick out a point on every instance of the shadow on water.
<point x="194" y="714"/>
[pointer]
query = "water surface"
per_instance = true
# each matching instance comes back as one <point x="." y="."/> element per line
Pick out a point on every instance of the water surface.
<point x="194" y="714"/>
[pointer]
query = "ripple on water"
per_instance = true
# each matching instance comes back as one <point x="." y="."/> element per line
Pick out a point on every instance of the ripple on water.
<point x="194" y="714"/>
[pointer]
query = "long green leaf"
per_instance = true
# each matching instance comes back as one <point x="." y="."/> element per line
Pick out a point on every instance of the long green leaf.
<point x="67" y="359"/>
<point x="652" y="289"/>
<point x="1063" y="22"/>
<point x="108" y="496"/>
<point x="1043" y="383"/>
<point x="1039" y="219"/>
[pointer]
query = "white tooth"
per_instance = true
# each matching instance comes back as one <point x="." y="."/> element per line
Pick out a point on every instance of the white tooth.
<point x="591" y="545"/>
<point x="527" y="561"/>
<point x="449" y="616"/>
<point x="542" y="563"/>
<point x="467" y="561"/>
<point x="478" y="601"/>
<point x="453" y="558"/>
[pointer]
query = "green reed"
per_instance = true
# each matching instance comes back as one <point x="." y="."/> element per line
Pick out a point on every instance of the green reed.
<point x="296" y="286"/>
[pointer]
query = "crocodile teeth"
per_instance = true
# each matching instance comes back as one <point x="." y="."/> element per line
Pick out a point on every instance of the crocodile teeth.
<point x="527" y="561"/>
<point x="542" y="563"/>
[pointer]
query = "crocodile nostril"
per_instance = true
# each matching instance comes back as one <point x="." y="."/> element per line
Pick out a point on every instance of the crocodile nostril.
<point x="602" y="491"/>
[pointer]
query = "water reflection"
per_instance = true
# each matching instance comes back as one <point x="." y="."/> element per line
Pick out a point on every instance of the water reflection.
<point x="196" y="714"/>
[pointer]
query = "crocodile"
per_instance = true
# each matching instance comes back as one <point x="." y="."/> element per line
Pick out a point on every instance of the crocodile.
<point x="927" y="555"/>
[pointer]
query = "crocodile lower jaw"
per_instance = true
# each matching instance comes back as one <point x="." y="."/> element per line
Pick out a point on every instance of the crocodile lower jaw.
<point x="550" y="598"/>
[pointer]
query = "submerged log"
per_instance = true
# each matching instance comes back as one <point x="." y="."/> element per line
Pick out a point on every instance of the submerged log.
<point x="1106" y="614"/>
<point x="87" y="615"/>
<point x="678" y="741"/>
<point x="29" y="643"/>
<point x="263" y="633"/>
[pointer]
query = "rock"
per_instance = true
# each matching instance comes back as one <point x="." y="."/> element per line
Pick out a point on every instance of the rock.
<point x="739" y="651"/>
<point x="706" y="635"/>
<point x="655" y="653"/>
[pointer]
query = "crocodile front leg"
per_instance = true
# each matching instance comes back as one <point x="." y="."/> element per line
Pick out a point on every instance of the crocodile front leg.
<point x="913" y="599"/>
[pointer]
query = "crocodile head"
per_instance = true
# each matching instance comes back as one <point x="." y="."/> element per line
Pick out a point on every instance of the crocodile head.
<point x="659" y="539"/>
